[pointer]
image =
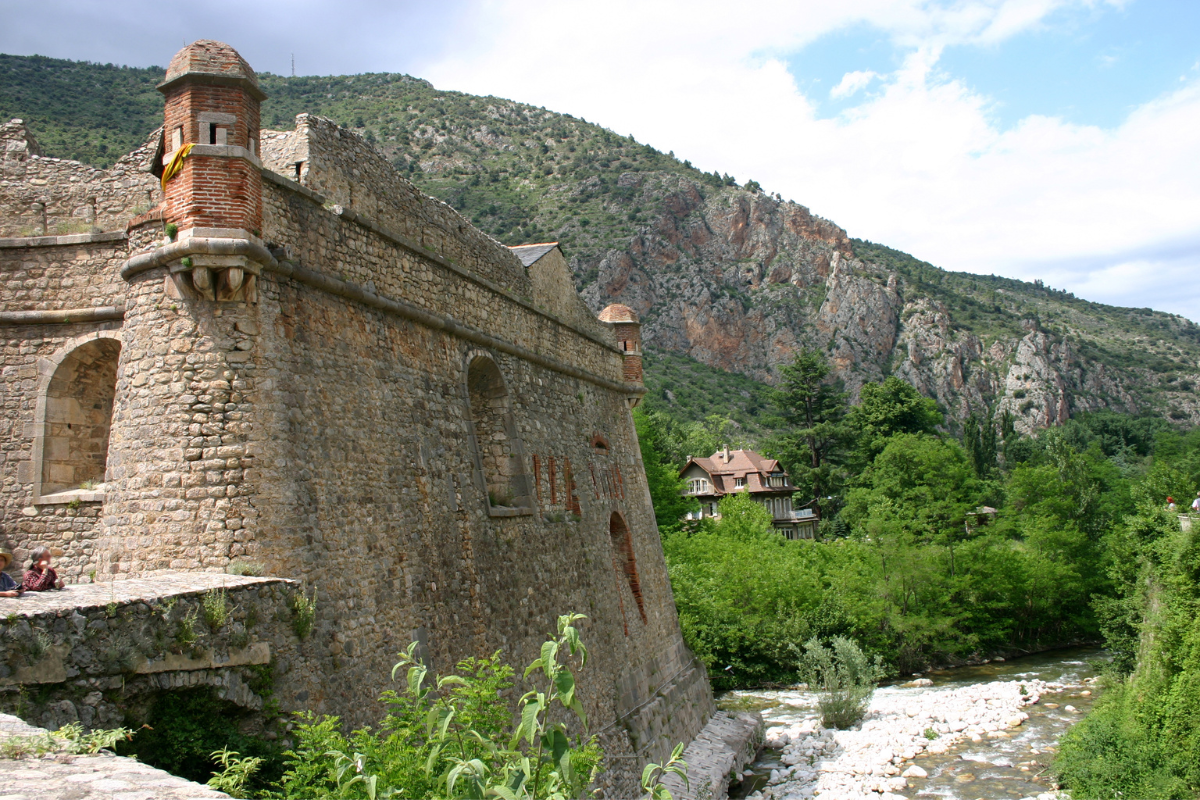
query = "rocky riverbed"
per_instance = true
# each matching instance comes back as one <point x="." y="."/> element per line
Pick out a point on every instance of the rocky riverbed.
<point x="952" y="735"/>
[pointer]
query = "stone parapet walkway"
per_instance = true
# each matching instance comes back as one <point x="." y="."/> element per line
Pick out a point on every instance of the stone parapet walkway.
<point x="123" y="592"/>
<point x="62" y="776"/>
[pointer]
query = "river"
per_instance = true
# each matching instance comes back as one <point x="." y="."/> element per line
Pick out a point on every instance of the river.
<point x="975" y="742"/>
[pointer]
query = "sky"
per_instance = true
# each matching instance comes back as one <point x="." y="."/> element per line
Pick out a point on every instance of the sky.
<point x="1037" y="139"/>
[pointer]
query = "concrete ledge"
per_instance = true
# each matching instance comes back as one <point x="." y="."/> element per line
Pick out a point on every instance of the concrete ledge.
<point x="58" y="241"/>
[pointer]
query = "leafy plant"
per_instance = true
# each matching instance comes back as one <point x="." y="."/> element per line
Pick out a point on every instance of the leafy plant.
<point x="304" y="613"/>
<point x="843" y="677"/>
<point x="186" y="634"/>
<point x="236" y="772"/>
<point x="454" y="737"/>
<point x="216" y="608"/>
<point x="652" y="775"/>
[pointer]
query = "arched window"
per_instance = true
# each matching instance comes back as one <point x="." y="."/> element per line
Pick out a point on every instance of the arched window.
<point x="625" y="564"/>
<point x="698" y="486"/>
<point x="76" y="416"/>
<point x="498" y="447"/>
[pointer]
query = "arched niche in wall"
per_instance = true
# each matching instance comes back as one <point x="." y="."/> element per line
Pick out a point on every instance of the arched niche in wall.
<point x="499" y="453"/>
<point x="625" y="564"/>
<point x="74" y="418"/>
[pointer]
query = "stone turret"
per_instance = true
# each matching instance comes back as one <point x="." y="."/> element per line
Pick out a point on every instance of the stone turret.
<point x="214" y="189"/>
<point x="628" y="332"/>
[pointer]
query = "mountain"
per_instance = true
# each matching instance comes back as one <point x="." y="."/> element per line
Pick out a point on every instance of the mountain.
<point x="726" y="277"/>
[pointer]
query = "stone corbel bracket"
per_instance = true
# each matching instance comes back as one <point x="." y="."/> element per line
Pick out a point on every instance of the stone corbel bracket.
<point x="207" y="268"/>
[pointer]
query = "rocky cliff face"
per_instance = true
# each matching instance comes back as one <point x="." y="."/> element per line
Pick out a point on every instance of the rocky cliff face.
<point x="740" y="280"/>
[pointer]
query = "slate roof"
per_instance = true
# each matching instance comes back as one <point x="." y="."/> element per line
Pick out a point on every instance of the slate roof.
<point x="740" y="464"/>
<point x="530" y="253"/>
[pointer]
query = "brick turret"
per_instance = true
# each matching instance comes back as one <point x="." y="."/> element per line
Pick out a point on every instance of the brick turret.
<point x="212" y="103"/>
<point x="628" y="332"/>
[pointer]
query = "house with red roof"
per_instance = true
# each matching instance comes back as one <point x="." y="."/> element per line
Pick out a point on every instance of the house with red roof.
<point x="764" y="479"/>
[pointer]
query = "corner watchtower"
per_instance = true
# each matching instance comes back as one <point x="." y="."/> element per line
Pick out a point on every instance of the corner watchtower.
<point x="213" y="188"/>
<point x="627" y="330"/>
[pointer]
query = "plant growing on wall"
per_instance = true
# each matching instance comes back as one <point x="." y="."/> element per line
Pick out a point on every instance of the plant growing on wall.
<point x="453" y="736"/>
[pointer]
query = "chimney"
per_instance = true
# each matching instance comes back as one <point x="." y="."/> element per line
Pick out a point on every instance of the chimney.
<point x="726" y="454"/>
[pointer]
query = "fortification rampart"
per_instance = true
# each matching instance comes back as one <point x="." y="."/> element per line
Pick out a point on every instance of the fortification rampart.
<point x="42" y="196"/>
<point x="367" y="395"/>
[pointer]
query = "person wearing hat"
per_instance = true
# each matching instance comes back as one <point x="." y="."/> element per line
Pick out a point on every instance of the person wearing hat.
<point x="8" y="586"/>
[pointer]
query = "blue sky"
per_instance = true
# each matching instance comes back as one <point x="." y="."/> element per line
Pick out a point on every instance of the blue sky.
<point x="1039" y="139"/>
<point x="1089" y="66"/>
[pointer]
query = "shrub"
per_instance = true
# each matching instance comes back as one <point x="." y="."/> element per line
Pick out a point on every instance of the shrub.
<point x="456" y="738"/>
<point x="304" y="612"/>
<point x="843" y="677"/>
<point x="216" y="609"/>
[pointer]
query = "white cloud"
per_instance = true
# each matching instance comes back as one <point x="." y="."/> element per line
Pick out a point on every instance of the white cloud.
<point x="852" y="83"/>
<point x="919" y="164"/>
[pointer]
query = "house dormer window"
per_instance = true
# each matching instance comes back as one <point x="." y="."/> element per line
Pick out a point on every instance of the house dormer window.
<point x="739" y="483"/>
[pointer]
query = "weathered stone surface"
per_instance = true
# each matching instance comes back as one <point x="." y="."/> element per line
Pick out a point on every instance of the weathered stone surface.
<point x="726" y="745"/>
<point x="322" y="425"/>
<point x="87" y="777"/>
<point x="97" y="650"/>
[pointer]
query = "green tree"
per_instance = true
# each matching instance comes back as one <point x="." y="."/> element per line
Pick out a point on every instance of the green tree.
<point x="814" y="410"/>
<point x="666" y="486"/>
<point x="890" y="408"/>
<point x="979" y="440"/>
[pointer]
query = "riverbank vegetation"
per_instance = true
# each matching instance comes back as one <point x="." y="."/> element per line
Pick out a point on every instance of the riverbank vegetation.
<point x="933" y="548"/>
<point x="1142" y="739"/>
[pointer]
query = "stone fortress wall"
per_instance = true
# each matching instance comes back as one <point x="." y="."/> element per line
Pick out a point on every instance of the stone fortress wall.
<point x="368" y="395"/>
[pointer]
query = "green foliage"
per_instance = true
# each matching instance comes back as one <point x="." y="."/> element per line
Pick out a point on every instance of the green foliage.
<point x="216" y="608"/>
<point x="813" y="447"/>
<point x="236" y="772"/>
<point x="69" y="740"/>
<point x="666" y="487"/>
<point x="843" y="677"/>
<point x="1142" y="739"/>
<point x="183" y="728"/>
<point x="652" y="775"/>
<point x="890" y="408"/>
<point x="714" y="407"/>
<point x="304" y="613"/>
<point x="456" y="738"/>
<point x="186" y="634"/>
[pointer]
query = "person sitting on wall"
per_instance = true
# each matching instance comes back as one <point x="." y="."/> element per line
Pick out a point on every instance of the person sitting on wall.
<point x="8" y="585"/>
<point x="1170" y="505"/>
<point x="41" y="577"/>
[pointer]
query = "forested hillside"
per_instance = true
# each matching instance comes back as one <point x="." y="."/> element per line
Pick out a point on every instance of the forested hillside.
<point x="725" y="276"/>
